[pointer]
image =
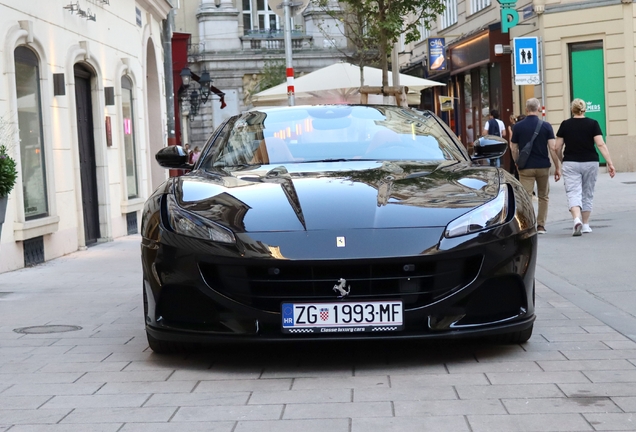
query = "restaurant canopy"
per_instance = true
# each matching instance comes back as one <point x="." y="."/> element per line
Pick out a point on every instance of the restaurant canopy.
<point x="338" y="83"/>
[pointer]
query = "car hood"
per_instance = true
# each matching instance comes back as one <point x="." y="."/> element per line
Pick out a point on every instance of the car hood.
<point x="337" y="195"/>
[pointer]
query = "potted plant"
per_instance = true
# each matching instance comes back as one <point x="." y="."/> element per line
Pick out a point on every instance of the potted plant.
<point x="8" y="171"/>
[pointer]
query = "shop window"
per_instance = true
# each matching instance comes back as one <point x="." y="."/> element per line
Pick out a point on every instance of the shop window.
<point x="484" y="83"/>
<point x="449" y="17"/>
<point x="130" y="150"/>
<point x="496" y="98"/>
<point x="32" y="157"/>
<point x="468" y="112"/>
<point x="477" y="5"/>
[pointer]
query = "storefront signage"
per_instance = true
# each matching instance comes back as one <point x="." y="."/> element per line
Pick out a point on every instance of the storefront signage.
<point x="526" y="51"/>
<point x="470" y="53"/>
<point x="445" y="103"/>
<point x="437" y="55"/>
<point x="587" y="66"/>
<point x="528" y="12"/>
<point x="509" y="15"/>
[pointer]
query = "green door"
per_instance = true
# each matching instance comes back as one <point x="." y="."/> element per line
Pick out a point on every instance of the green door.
<point x="588" y="80"/>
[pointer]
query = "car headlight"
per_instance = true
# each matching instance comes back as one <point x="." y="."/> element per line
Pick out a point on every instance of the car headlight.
<point x="488" y="215"/>
<point x="189" y="224"/>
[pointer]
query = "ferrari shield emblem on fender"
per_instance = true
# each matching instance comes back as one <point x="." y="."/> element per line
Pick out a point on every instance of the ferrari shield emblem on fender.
<point x="340" y="241"/>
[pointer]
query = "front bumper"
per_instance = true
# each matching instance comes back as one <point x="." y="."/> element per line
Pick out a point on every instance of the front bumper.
<point x="184" y="303"/>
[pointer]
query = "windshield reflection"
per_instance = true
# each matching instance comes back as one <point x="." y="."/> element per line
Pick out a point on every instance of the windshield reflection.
<point x="332" y="133"/>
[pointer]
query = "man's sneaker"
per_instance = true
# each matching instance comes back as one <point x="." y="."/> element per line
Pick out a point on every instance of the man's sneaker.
<point x="577" y="227"/>
<point x="541" y="229"/>
<point x="586" y="228"/>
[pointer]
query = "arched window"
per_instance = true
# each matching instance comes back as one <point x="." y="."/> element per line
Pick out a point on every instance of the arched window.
<point x="27" y="83"/>
<point x="130" y="150"/>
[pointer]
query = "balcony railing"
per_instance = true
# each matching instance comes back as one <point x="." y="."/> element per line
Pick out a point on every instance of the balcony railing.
<point x="274" y="40"/>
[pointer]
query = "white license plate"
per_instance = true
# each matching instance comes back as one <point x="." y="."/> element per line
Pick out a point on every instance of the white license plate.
<point x="342" y="317"/>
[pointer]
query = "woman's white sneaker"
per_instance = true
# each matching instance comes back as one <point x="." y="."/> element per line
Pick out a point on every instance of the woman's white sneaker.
<point x="576" y="232"/>
<point x="586" y="228"/>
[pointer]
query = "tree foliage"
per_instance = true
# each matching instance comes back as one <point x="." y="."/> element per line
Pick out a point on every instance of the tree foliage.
<point x="273" y="73"/>
<point x="8" y="172"/>
<point x="384" y="21"/>
<point x="361" y="49"/>
<point x="8" y="168"/>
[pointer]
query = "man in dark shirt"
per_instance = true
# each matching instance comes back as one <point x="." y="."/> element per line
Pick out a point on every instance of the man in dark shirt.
<point x="537" y="169"/>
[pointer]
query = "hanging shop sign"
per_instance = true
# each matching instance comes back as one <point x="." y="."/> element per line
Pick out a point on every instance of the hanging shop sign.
<point x="437" y="55"/>
<point x="445" y="103"/>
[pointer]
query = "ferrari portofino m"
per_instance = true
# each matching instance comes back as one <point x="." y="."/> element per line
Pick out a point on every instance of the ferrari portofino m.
<point x="337" y="222"/>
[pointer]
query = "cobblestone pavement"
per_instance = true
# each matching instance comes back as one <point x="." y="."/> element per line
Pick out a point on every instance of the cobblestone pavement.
<point x="577" y="372"/>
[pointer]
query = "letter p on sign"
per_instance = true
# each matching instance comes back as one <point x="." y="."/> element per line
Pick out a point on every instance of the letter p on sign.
<point x="506" y="24"/>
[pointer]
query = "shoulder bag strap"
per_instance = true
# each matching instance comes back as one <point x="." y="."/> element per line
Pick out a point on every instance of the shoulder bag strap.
<point x="536" y="132"/>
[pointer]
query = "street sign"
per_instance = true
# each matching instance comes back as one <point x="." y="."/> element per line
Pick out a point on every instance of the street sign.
<point x="526" y="51"/>
<point x="508" y="11"/>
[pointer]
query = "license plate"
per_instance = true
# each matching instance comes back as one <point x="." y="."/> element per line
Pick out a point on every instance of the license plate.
<point x="342" y="317"/>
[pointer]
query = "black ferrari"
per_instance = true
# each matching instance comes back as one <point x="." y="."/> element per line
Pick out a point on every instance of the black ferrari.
<point x="337" y="222"/>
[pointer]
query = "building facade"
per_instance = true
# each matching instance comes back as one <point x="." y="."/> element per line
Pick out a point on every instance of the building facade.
<point x="235" y="41"/>
<point x="586" y="50"/>
<point x="81" y="90"/>
<point x="589" y="54"/>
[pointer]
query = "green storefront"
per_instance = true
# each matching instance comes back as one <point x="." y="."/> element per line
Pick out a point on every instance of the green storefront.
<point x="588" y="80"/>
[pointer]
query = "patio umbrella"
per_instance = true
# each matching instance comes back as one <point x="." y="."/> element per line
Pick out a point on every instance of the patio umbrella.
<point x="338" y="83"/>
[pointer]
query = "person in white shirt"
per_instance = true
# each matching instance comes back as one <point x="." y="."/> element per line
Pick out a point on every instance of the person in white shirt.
<point x="494" y="126"/>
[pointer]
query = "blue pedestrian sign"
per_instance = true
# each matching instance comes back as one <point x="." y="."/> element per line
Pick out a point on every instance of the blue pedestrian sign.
<point x="526" y="60"/>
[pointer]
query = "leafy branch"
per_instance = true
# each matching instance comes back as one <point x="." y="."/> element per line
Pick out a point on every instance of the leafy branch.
<point x="8" y="167"/>
<point x="380" y="23"/>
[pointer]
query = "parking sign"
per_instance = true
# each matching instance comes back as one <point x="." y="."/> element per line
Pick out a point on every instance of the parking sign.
<point x="526" y="60"/>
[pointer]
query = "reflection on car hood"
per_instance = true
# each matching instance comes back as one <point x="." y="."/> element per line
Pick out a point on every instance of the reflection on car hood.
<point x="342" y="195"/>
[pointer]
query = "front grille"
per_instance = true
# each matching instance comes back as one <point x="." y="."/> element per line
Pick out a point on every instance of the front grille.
<point x="186" y="305"/>
<point x="498" y="298"/>
<point x="417" y="281"/>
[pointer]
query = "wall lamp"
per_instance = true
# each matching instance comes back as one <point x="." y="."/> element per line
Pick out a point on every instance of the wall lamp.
<point x="502" y="49"/>
<point x="195" y="95"/>
<point x="75" y="8"/>
<point x="72" y="7"/>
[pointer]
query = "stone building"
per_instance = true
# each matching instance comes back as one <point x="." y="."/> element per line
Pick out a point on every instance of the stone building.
<point x="82" y="89"/>
<point x="234" y="40"/>
<point x="585" y="50"/>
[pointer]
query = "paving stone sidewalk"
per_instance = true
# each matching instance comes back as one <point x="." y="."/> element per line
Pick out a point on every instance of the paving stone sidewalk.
<point x="577" y="373"/>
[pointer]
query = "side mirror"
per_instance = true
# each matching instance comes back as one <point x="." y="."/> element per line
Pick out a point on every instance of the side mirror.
<point x="489" y="147"/>
<point x="173" y="156"/>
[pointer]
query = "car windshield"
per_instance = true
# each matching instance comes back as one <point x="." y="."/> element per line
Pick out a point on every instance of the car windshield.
<point x="331" y="133"/>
